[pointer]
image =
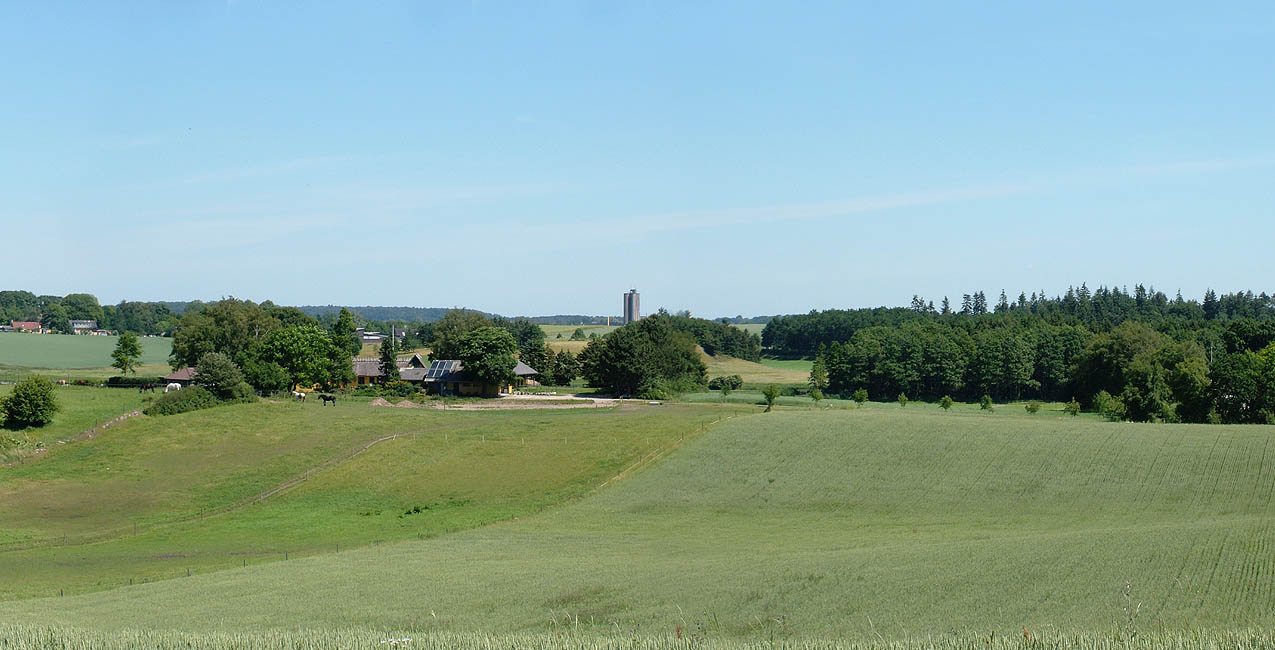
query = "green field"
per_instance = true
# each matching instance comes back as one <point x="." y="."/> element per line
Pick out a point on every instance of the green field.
<point x="81" y="409"/>
<point x="188" y="483"/>
<point x="757" y="374"/>
<point x="76" y="356"/>
<point x="857" y="523"/>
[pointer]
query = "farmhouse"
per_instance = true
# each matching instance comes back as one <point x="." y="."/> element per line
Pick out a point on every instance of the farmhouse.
<point x="184" y="376"/>
<point x="377" y="337"/>
<point x="27" y="326"/>
<point x="367" y="370"/>
<point x="83" y="326"/>
<point x="447" y="377"/>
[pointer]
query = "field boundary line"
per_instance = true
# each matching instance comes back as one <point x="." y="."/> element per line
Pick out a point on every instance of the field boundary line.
<point x="658" y="453"/>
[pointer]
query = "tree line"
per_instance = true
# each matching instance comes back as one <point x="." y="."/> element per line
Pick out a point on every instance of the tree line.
<point x="56" y="312"/>
<point x="1136" y="356"/>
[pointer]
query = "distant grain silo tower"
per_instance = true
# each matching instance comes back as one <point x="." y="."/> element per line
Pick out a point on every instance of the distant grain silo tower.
<point x="631" y="312"/>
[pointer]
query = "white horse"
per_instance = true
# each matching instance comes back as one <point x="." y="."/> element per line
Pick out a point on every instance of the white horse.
<point x="300" y="396"/>
<point x="172" y="386"/>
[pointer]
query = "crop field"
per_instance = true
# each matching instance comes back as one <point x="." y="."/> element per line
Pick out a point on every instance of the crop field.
<point x="877" y="524"/>
<point x="66" y="351"/>
<point x="153" y="497"/>
<point x="75" y="356"/>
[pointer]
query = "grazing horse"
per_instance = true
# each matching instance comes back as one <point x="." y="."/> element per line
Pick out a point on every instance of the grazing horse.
<point x="172" y="386"/>
<point x="298" y="395"/>
<point x="328" y="398"/>
<point x="146" y="388"/>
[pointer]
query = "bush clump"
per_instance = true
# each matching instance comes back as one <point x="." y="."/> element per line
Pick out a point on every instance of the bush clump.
<point x="133" y="382"/>
<point x="191" y="398"/>
<point x="31" y="404"/>
<point x="401" y="388"/>
<point x="240" y="393"/>
<point x="730" y="382"/>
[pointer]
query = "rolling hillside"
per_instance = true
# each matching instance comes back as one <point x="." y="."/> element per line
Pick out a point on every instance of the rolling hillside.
<point x="849" y="524"/>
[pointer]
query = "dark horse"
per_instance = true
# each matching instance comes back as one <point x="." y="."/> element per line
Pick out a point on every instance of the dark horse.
<point x="328" y="398"/>
<point x="146" y="387"/>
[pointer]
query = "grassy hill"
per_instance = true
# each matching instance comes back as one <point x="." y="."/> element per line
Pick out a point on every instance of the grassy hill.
<point x="808" y="523"/>
<point x="155" y="496"/>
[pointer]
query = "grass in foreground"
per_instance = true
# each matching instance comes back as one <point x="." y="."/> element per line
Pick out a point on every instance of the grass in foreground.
<point x="769" y="636"/>
<point x="874" y="523"/>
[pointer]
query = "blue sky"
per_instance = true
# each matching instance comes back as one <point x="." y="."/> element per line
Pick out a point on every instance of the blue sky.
<point x="727" y="158"/>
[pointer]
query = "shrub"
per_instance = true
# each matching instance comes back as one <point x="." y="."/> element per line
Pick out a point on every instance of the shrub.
<point x="861" y="395"/>
<point x="401" y="388"/>
<point x="191" y="398"/>
<point x="1112" y="408"/>
<point x="1032" y="407"/>
<point x="31" y="404"/>
<point x="770" y="393"/>
<point x="903" y="399"/>
<point x="241" y="392"/>
<point x="367" y="390"/>
<point x="946" y="402"/>
<point x="816" y="395"/>
<point x="732" y="382"/>
<point x="1072" y="408"/>
<point x="985" y="402"/>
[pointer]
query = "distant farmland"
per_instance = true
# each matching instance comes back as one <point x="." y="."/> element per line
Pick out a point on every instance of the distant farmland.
<point x="61" y="352"/>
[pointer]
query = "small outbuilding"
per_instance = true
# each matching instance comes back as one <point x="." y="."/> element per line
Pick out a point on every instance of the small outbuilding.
<point x="184" y="376"/>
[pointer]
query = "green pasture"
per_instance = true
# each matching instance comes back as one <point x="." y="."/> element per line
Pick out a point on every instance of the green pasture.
<point x="81" y="409"/>
<point x="872" y="524"/>
<point x="795" y="365"/>
<point x="189" y="483"/>
<point x="756" y="374"/>
<point x="754" y="328"/>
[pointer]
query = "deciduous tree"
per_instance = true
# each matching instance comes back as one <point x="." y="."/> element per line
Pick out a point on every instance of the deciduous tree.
<point x="127" y="351"/>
